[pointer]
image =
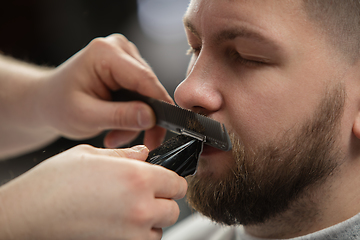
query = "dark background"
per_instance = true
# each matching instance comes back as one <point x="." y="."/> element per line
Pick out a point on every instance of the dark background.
<point x="49" y="32"/>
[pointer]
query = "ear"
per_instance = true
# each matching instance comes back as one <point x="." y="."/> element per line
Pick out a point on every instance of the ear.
<point x="356" y="126"/>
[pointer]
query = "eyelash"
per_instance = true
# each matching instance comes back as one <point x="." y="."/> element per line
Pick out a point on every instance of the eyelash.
<point x="233" y="54"/>
<point x="192" y="51"/>
<point x="246" y="62"/>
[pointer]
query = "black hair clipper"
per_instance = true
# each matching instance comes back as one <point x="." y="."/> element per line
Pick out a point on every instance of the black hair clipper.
<point x="180" y="154"/>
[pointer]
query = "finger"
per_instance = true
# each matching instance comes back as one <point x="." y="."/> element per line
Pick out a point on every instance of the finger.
<point x="129" y="47"/>
<point x="167" y="213"/>
<point x="168" y="184"/>
<point x="119" y="115"/>
<point x="139" y="152"/>
<point x="117" y="138"/>
<point x="155" y="234"/>
<point x="140" y="79"/>
<point x="154" y="137"/>
<point x="119" y="67"/>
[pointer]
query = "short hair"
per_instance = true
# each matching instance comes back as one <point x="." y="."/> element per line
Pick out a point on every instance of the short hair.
<point x="340" y="21"/>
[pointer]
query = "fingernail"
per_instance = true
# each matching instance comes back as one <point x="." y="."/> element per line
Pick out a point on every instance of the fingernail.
<point x="144" y="119"/>
<point x="139" y="148"/>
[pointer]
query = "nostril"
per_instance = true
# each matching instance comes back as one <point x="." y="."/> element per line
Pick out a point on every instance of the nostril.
<point x="200" y="110"/>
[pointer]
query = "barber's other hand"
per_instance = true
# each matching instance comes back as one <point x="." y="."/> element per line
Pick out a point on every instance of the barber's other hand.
<point x="77" y="94"/>
<point x="89" y="193"/>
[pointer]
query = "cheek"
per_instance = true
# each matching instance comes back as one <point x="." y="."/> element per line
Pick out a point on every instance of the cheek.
<point x="265" y="109"/>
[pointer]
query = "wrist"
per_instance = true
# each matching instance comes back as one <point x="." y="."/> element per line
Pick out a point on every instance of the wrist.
<point x="41" y="98"/>
<point x="20" y="95"/>
<point x="19" y="92"/>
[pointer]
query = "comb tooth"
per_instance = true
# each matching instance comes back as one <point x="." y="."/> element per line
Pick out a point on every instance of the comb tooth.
<point x="211" y="127"/>
<point x="213" y="130"/>
<point x="176" y="119"/>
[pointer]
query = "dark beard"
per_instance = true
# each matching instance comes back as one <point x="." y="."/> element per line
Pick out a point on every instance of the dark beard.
<point x="265" y="181"/>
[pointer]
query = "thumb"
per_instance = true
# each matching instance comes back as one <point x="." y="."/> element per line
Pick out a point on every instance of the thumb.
<point x="139" y="152"/>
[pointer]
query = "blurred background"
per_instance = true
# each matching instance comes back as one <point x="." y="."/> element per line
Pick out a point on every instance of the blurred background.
<point x="49" y="32"/>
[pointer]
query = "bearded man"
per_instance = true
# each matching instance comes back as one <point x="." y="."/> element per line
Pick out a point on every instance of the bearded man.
<point x="284" y="77"/>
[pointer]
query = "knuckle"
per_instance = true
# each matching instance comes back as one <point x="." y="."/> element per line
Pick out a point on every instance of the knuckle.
<point x="100" y="45"/>
<point x="140" y="179"/>
<point x="142" y="214"/>
<point x="84" y="148"/>
<point x="119" y="39"/>
<point x="106" y="44"/>
<point x="122" y="115"/>
<point x="147" y="75"/>
<point x="98" y="42"/>
<point x="84" y="152"/>
<point x="133" y="47"/>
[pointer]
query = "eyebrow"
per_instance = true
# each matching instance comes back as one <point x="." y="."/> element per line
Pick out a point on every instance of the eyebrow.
<point x="190" y="27"/>
<point x="232" y="33"/>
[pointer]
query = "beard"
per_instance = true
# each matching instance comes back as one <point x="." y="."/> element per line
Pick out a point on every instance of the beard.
<point x="265" y="181"/>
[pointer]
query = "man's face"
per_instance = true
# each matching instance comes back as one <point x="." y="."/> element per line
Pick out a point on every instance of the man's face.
<point x="264" y="70"/>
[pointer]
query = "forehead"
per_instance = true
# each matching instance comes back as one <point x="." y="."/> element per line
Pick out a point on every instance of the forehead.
<point x="269" y="17"/>
<point x="282" y="23"/>
<point x="235" y="6"/>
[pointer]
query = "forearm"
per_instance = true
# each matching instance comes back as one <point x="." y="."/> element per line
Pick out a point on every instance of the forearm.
<point x="5" y="232"/>
<point x="21" y="126"/>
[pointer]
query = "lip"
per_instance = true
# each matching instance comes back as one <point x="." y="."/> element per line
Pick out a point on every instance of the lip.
<point x="208" y="150"/>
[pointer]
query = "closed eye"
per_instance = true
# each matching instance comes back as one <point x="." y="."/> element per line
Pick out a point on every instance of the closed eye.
<point x="246" y="61"/>
<point x="234" y="56"/>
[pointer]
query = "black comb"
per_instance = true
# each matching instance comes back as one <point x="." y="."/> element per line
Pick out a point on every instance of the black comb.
<point x="181" y="121"/>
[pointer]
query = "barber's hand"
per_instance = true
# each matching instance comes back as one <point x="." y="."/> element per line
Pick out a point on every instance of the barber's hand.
<point x="77" y="94"/>
<point x="89" y="193"/>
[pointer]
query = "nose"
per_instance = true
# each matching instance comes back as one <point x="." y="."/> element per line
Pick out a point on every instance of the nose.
<point x="200" y="90"/>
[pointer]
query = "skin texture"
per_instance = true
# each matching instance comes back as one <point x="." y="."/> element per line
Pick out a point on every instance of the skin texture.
<point x="72" y="100"/>
<point x="302" y="159"/>
<point x="84" y="193"/>
<point x="89" y="193"/>
<point x="262" y="68"/>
